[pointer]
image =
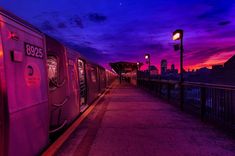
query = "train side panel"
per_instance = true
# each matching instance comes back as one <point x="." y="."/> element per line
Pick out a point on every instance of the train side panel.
<point x="102" y="79"/>
<point x="26" y="85"/>
<point x="110" y="77"/>
<point x="74" y="89"/>
<point x="93" y="83"/>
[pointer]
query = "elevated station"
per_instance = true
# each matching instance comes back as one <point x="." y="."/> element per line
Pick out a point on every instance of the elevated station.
<point x="55" y="101"/>
<point x="129" y="121"/>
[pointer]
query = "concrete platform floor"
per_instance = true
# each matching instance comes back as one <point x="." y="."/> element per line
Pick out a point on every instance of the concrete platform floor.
<point x="130" y="122"/>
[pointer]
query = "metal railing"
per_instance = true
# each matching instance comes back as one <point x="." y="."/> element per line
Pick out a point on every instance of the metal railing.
<point x="211" y="102"/>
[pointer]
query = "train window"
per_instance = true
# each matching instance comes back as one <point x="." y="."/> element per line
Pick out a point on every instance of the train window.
<point x="52" y="65"/>
<point x="93" y="74"/>
<point x="81" y="69"/>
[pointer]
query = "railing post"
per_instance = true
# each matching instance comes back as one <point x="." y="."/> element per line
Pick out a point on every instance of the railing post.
<point x="168" y="91"/>
<point x="181" y="96"/>
<point x="203" y="102"/>
<point x="160" y="89"/>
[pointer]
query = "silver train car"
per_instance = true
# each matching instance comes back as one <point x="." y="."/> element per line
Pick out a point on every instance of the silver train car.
<point x="44" y="87"/>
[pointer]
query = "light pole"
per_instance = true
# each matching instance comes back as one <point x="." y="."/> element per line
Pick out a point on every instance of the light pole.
<point x="147" y="58"/>
<point x="178" y="35"/>
<point x="138" y="66"/>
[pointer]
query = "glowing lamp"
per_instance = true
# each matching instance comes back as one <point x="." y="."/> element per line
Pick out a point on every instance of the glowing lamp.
<point x="178" y="34"/>
<point x="146" y="56"/>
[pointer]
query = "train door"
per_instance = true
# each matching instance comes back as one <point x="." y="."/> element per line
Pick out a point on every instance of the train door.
<point x="57" y="94"/>
<point x="93" y="83"/>
<point x="82" y="83"/>
<point x="73" y="87"/>
<point x="58" y="86"/>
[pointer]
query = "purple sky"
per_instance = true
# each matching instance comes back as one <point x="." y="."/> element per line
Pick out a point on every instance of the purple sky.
<point x="108" y="30"/>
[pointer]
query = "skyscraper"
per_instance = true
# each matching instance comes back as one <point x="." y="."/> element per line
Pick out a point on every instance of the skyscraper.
<point x="163" y="67"/>
<point x="172" y="67"/>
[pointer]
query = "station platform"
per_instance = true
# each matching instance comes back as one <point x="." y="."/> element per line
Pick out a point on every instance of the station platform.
<point x="130" y="122"/>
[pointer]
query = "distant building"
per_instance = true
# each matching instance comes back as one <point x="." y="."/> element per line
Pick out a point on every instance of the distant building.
<point x="230" y="64"/>
<point x="153" y="70"/>
<point x="219" y="74"/>
<point x="203" y="71"/>
<point x="172" y="67"/>
<point x="217" y="68"/>
<point x="173" y="70"/>
<point x="163" y="67"/>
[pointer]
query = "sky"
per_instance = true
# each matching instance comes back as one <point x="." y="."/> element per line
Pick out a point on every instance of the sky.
<point x="124" y="30"/>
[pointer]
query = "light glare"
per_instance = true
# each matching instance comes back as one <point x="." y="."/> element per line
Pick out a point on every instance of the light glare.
<point x="176" y="36"/>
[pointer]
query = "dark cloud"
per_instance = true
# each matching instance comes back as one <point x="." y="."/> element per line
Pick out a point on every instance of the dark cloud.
<point x="87" y="43"/>
<point x="47" y="26"/>
<point x="223" y="23"/>
<point x="61" y="25"/>
<point x="217" y="9"/>
<point x="77" y="21"/>
<point x="152" y="46"/>
<point x="90" y="52"/>
<point x="42" y="15"/>
<point x="95" y="17"/>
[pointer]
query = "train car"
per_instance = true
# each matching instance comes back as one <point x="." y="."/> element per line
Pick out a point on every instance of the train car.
<point x="24" y="88"/>
<point x="102" y="78"/>
<point x="44" y="87"/>
<point x="110" y="77"/>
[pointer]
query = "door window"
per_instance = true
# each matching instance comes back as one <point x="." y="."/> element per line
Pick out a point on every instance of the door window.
<point x="52" y="66"/>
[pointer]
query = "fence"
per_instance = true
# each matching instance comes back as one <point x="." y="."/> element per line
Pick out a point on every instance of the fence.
<point x="211" y="102"/>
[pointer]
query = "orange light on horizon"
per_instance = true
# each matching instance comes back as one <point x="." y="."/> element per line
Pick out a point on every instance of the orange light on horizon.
<point x="217" y="59"/>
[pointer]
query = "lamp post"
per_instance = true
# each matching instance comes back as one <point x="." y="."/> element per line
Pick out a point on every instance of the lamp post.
<point x="147" y="58"/>
<point x="178" y="35"/>
<point x="138" y="66"/>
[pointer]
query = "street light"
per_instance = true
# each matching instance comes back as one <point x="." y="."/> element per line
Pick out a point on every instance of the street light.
<point x="147" y="58"/>
<point x="178" y="35"/>
<point x="138" y="65"/>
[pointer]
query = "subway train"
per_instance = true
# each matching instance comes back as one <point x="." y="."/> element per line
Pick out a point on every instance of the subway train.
<point x="44" y="87"/>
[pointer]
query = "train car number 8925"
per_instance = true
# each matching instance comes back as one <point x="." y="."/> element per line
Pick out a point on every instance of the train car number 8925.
<point x="34" y="51"/>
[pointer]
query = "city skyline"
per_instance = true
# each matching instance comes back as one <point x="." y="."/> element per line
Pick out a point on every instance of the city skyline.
<point x="108" y="31"/>
<point x="169" y="65"/>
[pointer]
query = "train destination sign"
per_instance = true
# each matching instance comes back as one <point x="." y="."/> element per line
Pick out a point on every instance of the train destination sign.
<point x="34" y="51"/>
